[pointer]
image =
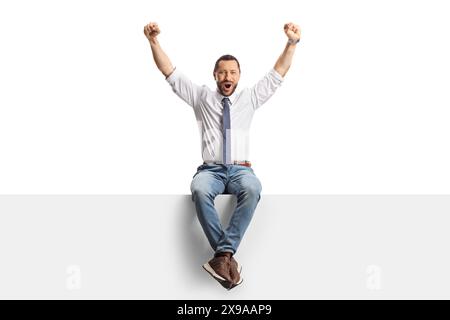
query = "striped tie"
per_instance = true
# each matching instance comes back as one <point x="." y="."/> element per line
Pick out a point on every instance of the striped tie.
<point x="226" y="132"/>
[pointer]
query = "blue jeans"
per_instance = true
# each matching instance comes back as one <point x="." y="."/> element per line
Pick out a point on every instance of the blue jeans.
<point x="213" y="179"/>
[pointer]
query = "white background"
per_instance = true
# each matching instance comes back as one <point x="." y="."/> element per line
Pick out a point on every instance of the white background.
<point x="364" y="108"/>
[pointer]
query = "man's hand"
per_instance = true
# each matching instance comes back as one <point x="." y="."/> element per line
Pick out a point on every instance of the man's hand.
<point x="292" y="31"/>
<point x="151" y="30"/>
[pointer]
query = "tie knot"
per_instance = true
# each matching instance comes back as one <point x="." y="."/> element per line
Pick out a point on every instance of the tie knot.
<point x="226" y="101"/>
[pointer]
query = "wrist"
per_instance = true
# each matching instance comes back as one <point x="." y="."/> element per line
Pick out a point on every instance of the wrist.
<point x="293" y="41"/>
<point x="153" y="41"/>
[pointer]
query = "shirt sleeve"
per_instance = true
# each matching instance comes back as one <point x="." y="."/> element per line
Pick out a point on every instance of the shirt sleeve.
<point x="184" y="87"/>
<point x="265" y="88"/>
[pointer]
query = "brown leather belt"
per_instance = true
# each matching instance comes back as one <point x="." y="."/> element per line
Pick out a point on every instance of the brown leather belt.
<point x="238" y="163"/>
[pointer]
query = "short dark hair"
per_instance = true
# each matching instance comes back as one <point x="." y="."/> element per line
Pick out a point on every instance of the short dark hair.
<point x="227" y="57"/>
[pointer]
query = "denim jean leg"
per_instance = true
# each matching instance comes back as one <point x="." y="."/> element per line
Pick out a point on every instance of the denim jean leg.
<point x="247" y="188"/>
<point x="205" y="186"/>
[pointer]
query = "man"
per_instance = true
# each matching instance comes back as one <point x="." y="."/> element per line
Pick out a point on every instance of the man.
<point x="224" y="118"/>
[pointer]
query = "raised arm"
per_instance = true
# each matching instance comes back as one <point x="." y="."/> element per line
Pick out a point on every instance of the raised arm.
<point x="162" y="61"/>
<point x="284" y="61"/>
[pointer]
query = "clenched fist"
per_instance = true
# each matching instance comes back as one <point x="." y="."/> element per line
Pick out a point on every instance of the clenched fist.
<point x="151" y="30"/>
<point x="292" y="31"/>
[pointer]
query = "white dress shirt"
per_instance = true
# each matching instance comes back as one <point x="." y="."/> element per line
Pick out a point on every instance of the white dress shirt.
<point x="207" y="105"/>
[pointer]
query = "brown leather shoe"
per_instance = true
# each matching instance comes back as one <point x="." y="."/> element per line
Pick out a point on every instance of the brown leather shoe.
<point x="219" y="268"/>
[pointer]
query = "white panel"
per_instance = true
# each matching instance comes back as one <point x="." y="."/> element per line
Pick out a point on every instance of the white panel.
<point x="152" y="247"/>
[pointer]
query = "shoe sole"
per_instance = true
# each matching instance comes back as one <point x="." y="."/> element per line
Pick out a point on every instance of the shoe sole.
<point x="239" y="268"/>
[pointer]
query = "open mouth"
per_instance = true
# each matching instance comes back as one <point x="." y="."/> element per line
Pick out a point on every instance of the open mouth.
<point x="227" y="85"/>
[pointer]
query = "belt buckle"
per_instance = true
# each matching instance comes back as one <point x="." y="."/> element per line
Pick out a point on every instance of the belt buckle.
<point x="244" y="163"/>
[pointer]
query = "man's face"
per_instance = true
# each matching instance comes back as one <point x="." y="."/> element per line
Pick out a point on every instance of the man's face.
<point x="227" y="77"/>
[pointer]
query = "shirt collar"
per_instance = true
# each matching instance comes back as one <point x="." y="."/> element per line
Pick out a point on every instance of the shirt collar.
<point x="220" y="96"/>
